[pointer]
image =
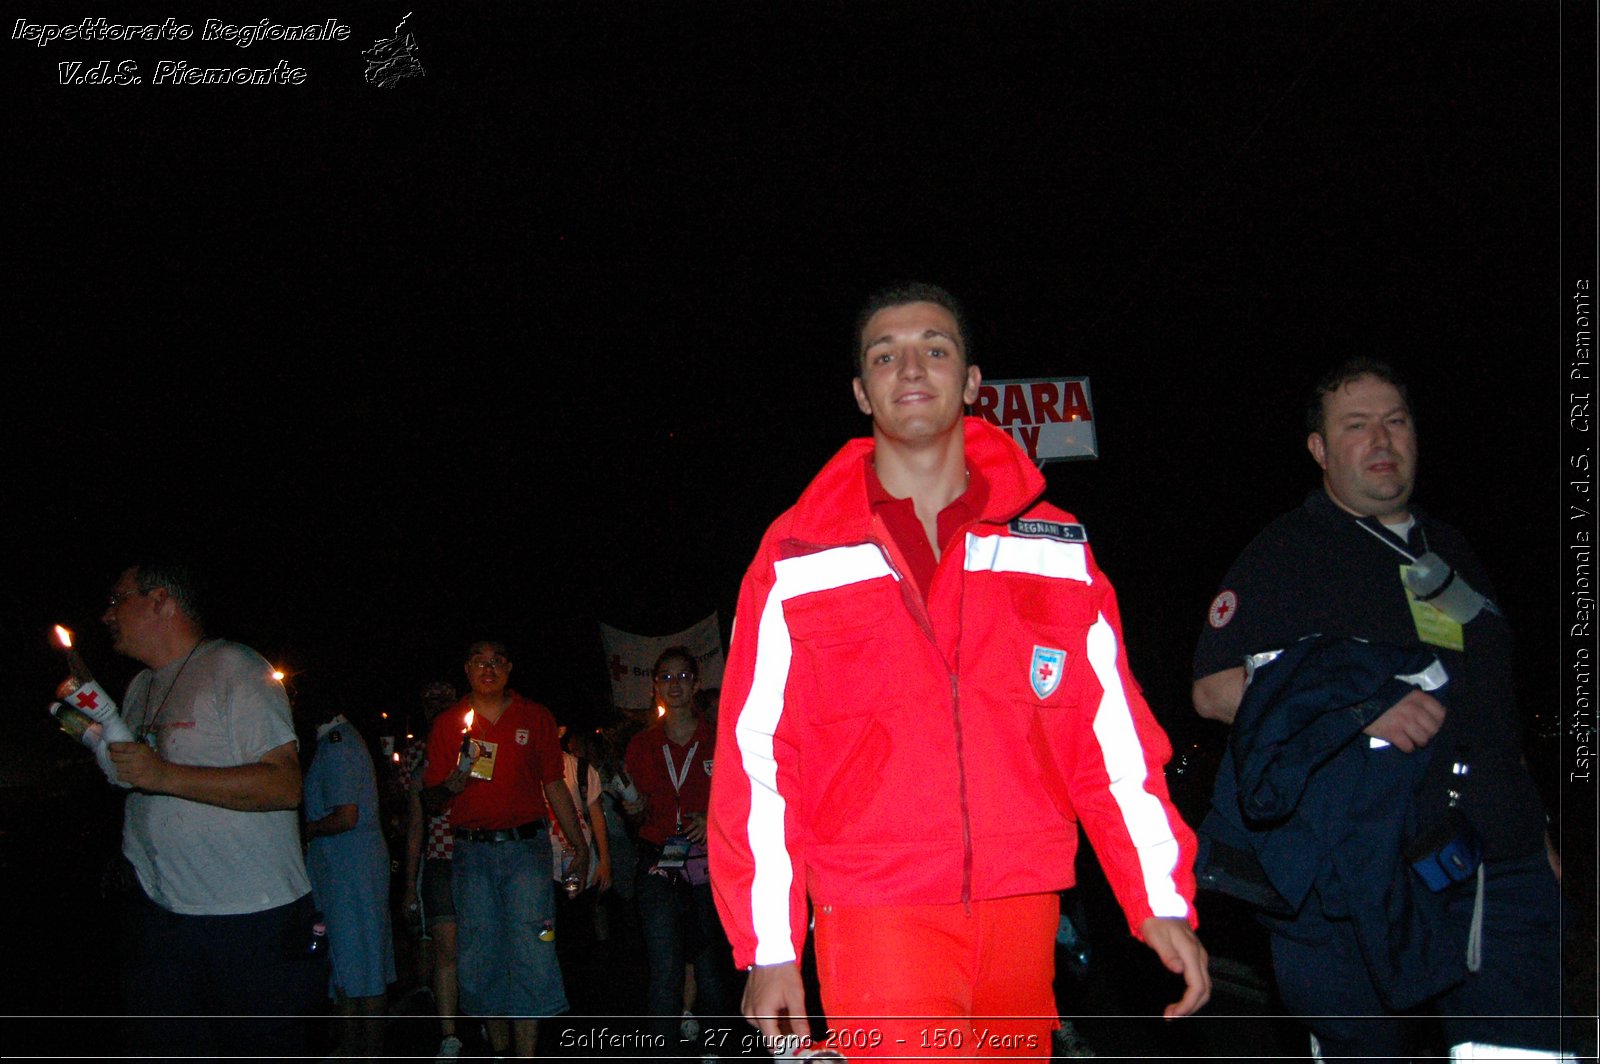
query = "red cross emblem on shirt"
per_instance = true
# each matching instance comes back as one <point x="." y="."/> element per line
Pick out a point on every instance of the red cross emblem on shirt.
<point x="1223" y="607"/>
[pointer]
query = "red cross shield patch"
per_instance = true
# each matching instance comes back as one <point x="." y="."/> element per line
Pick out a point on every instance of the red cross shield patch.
<point x="1044" y="672"/>
<point x="522" y="736"/>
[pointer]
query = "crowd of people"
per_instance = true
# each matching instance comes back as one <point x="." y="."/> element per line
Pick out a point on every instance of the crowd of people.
<point x="927" y="696"/>
<point x="460" y="857"/>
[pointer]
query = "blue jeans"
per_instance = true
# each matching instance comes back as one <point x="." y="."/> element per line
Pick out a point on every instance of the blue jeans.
<point x="679" y="924"/>
<point x="502" y="896"/>
<point x="1513" y="1000"/>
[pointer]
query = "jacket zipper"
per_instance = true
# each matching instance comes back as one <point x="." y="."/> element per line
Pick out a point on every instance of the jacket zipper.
<point x="919" y="611"/>
<point x="966" y="819"/>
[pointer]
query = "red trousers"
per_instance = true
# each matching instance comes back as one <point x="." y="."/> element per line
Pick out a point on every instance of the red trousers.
<point x="929" y="981"/>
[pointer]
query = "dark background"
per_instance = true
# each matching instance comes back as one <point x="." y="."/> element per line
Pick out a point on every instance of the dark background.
<point x="548" y="336"/>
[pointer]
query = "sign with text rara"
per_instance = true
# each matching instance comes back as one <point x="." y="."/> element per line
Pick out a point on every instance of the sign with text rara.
<point x="1051" y="417"/>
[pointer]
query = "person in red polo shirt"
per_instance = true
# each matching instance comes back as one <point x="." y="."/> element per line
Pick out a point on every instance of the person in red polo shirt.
<point x="671" y="766"/>
<point x="501" y="879"/>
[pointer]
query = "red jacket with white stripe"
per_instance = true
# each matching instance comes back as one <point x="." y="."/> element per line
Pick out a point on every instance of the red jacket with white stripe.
<point x="876" y="750"/>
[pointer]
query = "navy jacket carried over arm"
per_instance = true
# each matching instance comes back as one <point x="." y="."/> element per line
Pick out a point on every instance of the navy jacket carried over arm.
<point x="1322" y="806"/>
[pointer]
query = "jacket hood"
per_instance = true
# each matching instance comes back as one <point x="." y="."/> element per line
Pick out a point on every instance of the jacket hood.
<point x="834" y="509"/>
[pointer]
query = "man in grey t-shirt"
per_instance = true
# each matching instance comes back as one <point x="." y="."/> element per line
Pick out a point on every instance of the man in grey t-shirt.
<point x="221" y="929"/>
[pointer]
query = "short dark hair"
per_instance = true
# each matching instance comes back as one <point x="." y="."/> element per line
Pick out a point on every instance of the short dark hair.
<point x="179" y="581"/>
<point x="898" y="295"/>
<point x="676" y="652"/>
<point x="1351" y="369"/>
<point x="493" y="644"/>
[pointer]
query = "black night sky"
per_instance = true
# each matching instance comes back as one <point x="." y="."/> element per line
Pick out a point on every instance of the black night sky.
<point x="548" y="335"/>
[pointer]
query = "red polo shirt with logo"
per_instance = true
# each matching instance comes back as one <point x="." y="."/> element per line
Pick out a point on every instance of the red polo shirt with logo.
<point x="647" y="764"/>
<point x="900" y="518"/>
<point x="527" y="756"/>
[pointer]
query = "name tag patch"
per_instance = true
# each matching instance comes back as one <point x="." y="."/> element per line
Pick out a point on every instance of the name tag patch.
<point x="1057" y="530"/>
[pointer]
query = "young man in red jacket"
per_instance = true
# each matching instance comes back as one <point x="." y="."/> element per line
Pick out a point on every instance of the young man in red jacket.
<point x="927" y="691"/>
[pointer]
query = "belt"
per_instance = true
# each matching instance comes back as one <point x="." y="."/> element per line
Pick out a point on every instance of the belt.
<point x="521" y="831"/>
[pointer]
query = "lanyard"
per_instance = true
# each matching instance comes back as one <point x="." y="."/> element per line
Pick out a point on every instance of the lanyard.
<point x="1438" y="590"/>
<point x="673" y="773"/>
<point x="1391" y="544"/>
<point x="677" y="776"/>
<point x="149" y="723"/>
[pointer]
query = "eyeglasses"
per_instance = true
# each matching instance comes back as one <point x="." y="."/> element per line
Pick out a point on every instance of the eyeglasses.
<point x="117" y="598"/>
<point x="668" y="677"/>
<point x="488" y="664"/>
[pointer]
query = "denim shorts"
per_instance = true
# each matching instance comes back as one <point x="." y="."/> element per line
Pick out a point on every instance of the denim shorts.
<point x="503" y="900"/>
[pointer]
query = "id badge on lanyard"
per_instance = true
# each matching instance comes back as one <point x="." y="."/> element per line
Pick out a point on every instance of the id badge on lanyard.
<point x="1433" y="627"/>
<point x="677" y="776"/>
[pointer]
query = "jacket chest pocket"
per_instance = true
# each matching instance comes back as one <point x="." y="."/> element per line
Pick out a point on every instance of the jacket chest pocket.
<point x="1054" y="682"/>
<point x="849" y="649"/>
<point x="1044" y="652"/>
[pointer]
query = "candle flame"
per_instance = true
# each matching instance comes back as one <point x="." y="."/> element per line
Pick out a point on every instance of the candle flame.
<point x="469" y="723"/>
<point x="397" y="757"/>
<point x="64" y="636"/>
<point x="277" y="674"/>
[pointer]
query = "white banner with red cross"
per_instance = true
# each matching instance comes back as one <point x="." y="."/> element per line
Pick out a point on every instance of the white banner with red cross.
<point x="629" y="657"/>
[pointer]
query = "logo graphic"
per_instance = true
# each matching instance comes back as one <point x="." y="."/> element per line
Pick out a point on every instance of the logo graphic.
<point x="390" y="60"/>
<point x="1223" y="607"/>
<point x="707" y="764"/>
<point x="1045" y="671"/>
<point x="522" y="736"/>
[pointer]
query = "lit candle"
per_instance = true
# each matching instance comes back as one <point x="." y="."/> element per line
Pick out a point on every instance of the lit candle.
<point x="75" y="665"/>
<point x="83" y="694"/>
<point x="465" y="764"/>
